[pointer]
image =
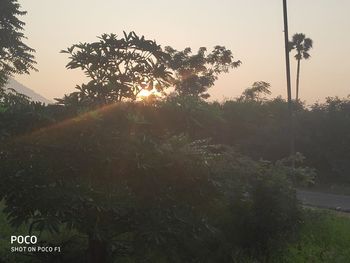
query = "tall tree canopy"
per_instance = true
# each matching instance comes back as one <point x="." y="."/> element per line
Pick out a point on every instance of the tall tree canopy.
<point x="302" y="46"/>
<point x="196" y="73"/>
<point x="15" y="56"/>
<point x="118" y="68"/>
<point x="255" y="91"/>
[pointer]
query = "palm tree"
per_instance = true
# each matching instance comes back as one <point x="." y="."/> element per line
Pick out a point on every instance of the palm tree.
<point x="302" y="45"/>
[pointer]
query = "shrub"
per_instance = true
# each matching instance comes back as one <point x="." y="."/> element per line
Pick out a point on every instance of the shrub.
<point x="139" y="193"/>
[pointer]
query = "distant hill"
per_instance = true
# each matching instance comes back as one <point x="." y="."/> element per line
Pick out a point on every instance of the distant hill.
<point x="26" y="91"/>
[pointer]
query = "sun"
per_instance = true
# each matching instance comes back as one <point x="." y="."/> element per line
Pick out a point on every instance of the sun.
<point x="144" y="94"/>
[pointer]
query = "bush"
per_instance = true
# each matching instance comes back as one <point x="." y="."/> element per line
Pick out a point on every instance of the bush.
<point x="139" y="193"/>
<point x="261" y="211"/>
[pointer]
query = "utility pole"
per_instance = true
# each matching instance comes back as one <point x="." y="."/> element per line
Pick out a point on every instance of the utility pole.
<point x="289" y="88"/>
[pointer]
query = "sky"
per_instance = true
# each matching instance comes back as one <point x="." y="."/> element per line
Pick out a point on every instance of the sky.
<point x="252" y="29"/>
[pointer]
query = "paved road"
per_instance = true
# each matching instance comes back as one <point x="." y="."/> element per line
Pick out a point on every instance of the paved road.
<point x="324" y="200"/>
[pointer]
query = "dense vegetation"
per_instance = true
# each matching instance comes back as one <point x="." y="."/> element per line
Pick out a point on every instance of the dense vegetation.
<point x="166" y="172"/>
<point x="124" y="178"/>
<point x="172" y="179"/>
<point x="177" y="179"/>
<point x="15" y="56"/>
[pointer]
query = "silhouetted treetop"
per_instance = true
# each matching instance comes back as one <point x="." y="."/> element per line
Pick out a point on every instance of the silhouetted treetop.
<point x="255" y="91"/>
<point x="118" y="68"/>
<point x="15" y="56"/>
<point x="302" y="45"/>
<point x="194" y="74"/>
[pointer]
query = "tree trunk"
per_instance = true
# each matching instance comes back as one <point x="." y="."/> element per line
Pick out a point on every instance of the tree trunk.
<point x="97" y="251"/>
<point x="297" y="84"/>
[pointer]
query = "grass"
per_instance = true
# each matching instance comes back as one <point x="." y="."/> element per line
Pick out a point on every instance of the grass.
<point x="324" y="237"/>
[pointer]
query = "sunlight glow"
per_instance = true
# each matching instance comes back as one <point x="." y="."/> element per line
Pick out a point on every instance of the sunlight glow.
<point x="143" y="94"/>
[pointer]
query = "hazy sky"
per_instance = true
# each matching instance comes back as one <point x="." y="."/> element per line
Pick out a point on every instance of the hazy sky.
<point x="252" y="29"/>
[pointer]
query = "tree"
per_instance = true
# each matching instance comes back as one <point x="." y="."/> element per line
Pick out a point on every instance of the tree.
<point x="15" y="56"/>
<point x="20" y="115"/>
<point x="302" y="45"/>
<point x="253" y="93"/>
<point x="118" y="68"/>
<point x="195" y="74"/>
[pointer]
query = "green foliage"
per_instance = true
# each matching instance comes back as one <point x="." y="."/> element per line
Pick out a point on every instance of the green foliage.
<point x="134" y="185"/>
<point x="118" y="68"/>
<point x="192" y="116"/>
<point x="71" y="243"/>
<point x="19" y="115"/>
<point x="257" y="128"/>
<point x="323" y="137"/>
<point x="323" y="237"/>
<point x="11" y="100"/>
<point x="262" y="210"/>
<point x="5" y="233"/>
<point x="138" y="193"/>
<point x="15" y="56"/>
<point x="142" y="181"/>
<point x="300" y="175"/>
<point x="253" y="93"/>
<point x="195" y="74"/>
